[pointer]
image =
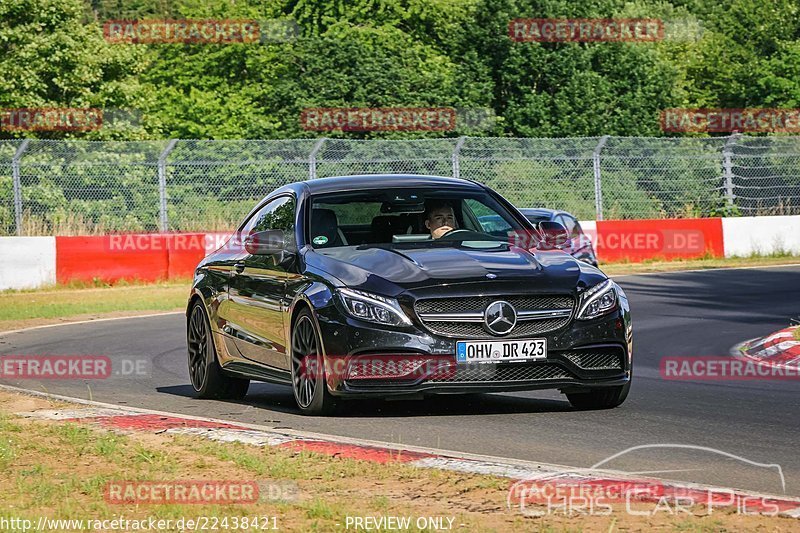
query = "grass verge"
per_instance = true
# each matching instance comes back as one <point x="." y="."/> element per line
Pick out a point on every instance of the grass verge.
<point x="63" y="304"/>
<point x="619" y="269"/>
<point x="60" y="470"/>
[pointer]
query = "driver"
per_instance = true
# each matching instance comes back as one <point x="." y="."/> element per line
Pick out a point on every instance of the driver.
<point x="440" y="218"/>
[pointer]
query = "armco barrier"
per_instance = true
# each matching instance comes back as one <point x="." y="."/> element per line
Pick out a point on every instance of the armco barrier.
<point x="29" y="262"/>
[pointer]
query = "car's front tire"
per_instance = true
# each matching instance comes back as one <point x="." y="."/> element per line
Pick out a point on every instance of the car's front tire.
<point x="308" y="368"/>
<point x="604" y="398"/>
<point x="205" y="372"/>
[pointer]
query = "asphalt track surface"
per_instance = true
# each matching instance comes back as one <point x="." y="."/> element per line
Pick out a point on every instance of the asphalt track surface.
<point x="675" y="314"/>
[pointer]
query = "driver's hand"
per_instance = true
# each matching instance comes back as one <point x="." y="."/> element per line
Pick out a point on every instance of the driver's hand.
<point x="438" y="232"/>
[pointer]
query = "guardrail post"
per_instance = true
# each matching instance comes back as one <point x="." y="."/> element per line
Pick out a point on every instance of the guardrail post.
<point x="455" y="157"/>
<point x="312" y="158"/>
<point x="17" y="185"/>
<point x="162" y="185"/>
<point x="727" y="167"/>
<point x="598" y="184"/>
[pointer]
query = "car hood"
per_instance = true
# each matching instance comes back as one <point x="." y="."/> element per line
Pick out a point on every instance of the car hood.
<point x="370" y="267"/>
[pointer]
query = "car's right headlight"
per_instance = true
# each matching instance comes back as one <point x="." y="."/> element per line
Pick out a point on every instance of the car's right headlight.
<point x="373" y="307"/>
<point x="598" y="300"/>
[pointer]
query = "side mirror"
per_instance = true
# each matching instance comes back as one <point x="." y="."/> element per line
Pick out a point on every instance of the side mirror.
<point x="554" y="235"/>
<point x="269" y="242"/>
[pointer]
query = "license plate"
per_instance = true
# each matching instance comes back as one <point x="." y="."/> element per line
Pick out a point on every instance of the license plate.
<point x="501" y="351"/>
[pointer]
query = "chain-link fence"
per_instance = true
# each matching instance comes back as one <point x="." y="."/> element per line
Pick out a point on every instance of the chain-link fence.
<point x="79" y="187"/>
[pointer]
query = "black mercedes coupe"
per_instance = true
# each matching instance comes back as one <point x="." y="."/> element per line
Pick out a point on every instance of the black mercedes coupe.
<point x="390" y="285"/>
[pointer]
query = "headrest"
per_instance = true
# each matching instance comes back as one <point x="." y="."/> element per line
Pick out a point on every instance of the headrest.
<point x="324" y="224"/>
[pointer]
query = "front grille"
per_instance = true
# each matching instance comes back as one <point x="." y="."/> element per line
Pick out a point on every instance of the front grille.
<point x="596" y="358"/>
<point x="505" y="373"/>
<point x="469" y="330"/>
<point x="478" y="304"/>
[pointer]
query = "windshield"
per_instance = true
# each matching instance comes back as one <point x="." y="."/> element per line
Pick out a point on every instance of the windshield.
<point x="399" y="216"/>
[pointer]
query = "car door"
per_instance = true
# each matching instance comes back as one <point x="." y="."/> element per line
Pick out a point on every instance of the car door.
<point x="257" y="288"/>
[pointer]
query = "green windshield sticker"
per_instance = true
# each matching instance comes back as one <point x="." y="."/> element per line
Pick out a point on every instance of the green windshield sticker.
<point x="320" y="240"/>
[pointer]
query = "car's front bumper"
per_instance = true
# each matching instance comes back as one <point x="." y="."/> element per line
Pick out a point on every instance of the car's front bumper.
<point x="580" y="355"/>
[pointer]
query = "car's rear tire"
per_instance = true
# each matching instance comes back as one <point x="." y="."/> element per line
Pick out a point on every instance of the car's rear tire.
<point x="308" y="368"/>
<point x="207" y="377"/>
<point x="605" y="398"/>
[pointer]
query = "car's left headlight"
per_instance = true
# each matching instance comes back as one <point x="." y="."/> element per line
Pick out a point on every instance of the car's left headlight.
<point x="599" y="300"/>
<point x="373" y="307"/>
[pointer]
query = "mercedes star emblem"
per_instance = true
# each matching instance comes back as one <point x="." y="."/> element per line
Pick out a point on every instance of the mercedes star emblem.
<point x="500" y="317"/>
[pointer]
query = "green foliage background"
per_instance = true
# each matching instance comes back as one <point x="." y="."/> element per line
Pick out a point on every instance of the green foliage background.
<point x="372" y="53"/>
<point x="398" y="53"/>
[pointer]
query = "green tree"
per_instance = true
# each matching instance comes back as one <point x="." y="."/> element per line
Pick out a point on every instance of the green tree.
<point x="567" y="89"/>
<point x="50" y="58"/>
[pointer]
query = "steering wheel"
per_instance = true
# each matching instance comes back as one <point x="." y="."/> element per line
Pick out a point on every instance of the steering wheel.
<point x="454" y="231"/>
<point x="463" y="234"/>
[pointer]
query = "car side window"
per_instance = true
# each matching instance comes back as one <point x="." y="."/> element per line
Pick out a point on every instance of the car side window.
<point x="578" y="229"/>
<point x="491" y="222"/>
<point x="569" y="223"/>
<point x="572" y="226"/>
<point x="277" y="214"/>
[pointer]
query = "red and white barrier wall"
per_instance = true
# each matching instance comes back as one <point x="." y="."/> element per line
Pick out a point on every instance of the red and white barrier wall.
<point x="30" y="262"/>
<point x="761" y="235"/>
<point x="638" y="240"/>
<point x="27" y="262"/>
<point x="146" y="257"/>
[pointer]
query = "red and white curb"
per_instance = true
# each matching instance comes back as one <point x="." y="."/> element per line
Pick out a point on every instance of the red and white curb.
<point x="779" y="349"/>
<point x="125" y="419"/>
